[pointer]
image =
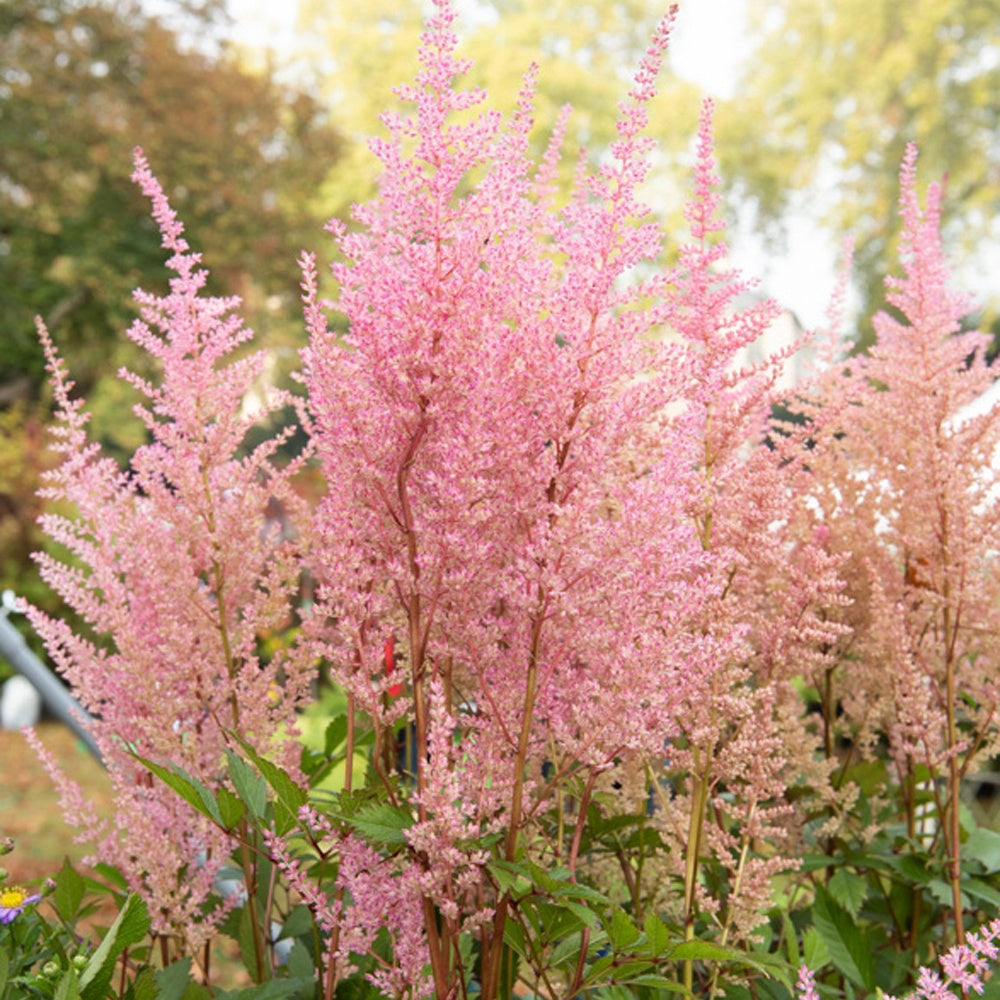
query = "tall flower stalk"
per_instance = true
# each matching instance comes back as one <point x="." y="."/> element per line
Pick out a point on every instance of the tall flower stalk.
<point x="177" y="571"/>
<point x="904" y="489"/>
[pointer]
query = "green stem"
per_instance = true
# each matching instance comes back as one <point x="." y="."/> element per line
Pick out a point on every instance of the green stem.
<point x="699" y="788"/>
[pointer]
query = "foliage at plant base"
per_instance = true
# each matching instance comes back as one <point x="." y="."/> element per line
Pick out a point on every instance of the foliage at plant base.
<point x="641" y="690"/>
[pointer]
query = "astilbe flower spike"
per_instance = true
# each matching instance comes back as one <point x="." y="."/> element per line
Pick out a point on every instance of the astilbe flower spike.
<point x="903" y="490"/>
<point x="765" y="587"/>
<point x="512" y="496"/>
<point x="176" y="572"/>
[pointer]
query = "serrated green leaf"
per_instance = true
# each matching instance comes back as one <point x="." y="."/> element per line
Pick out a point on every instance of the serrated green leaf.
<point x="250" y="786"/>
<point x="290" y="796"/>
<point x="614" y="992"/>
<point x="566" y="951"/>
<point x="656" y="981"/>
<point x="622" y="933"/>
<point x="849" y="889"/>
<point x="173" y="980"/>
<point x="112" y="874"/>
<point x="597" y="971"/>
<point x="383" y="824"/>
<point x="69" y="892"/>
<point x="273" y="989"/>
<point x="941" y="891"/>
<point x="297" y="923"/>
<point x="574" y="891"/>
<point x="231" y="809"/>
<point x="248" y="942"/>
<point x="815" y="953"/>
<point x="300" y="962"/>
<point x="657" y="935"/>
<point x="848" y="949"/>
<point x="513" y="938"/>
<point x="702" y="951"/>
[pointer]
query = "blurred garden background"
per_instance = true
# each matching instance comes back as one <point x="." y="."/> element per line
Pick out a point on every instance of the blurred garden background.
<point x="254" y="116"/>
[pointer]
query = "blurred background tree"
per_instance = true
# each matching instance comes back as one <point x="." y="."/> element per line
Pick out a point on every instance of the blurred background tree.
<point x="828" y="100"/>
<point x="241" y="156"/>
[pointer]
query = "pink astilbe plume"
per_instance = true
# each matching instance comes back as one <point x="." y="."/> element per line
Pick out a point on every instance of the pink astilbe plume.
<point x="176" y="572"/>
<point x="507" y="489"/>
<point x="903" y="488"/>
<point x="763" y="585"/>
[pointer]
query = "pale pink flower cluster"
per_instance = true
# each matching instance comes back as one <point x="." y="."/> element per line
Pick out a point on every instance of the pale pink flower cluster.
<point x="177" y="572"/>
<point x="902" y="480"/>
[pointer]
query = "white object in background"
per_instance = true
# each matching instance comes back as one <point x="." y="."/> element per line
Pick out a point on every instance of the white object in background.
<point x="20" y="704"/>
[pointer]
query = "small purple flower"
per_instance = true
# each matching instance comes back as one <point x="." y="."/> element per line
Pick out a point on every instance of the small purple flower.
<point x="13" y="900"/>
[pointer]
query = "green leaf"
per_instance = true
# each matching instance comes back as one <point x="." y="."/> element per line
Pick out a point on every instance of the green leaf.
<point x="290" y="797"/>
<point x="815" y="953"/>
<point x="69" y="892"/>
<point x="273" y="989"/>
<point x="130" y="927"/>
<point x="144" y="987"/>
<point x="849" y="889"/>
<point x="942" y="892"/>
<point x="659" y="982"/>
<point x="614" y="992"/>
<point x="247" y="942"/>
<point x="847" y="946"/>
<point x="298" y="922"/>
<point x="4" y="970"/>
<point x="68" y="988"/>
<point x="566" y="950"/>
<point x="513" y="938"/>
<point x="702" y="951"/>
<point x="622" y="933"/>
<point x="574" y="891"/>
<point x="192" y="791"/>
<point x="978" y="889"/>
<point x="173" y="980"/>
<point x="984" y="846"/>
<point x="250" y="786"/>
<point x="112" y="874"/>
<point x="657" y="935"/>
<point x="197" y="991"/>
<point x="300" y="962"/>
<point x="336" y="733"/>
<point x="383" y="824"/>
<point x="791" y="939"/>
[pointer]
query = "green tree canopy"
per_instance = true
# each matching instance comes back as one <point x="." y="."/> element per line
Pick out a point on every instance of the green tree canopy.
<point x="80" y="85"/>
<point x="835" y="91"/>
